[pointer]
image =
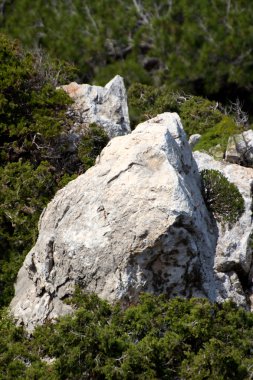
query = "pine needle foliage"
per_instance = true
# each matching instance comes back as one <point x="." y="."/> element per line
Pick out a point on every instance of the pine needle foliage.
<point x="156" y="338"/>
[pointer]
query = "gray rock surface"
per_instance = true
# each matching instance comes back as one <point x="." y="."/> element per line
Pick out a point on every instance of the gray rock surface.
<point x="240" y="149"/>
<point x="137" y="222"/>
<point x="105" y="106"/>
<point x="194" y="139"/>
<point x="134" y="222"/>
<point x="234" y="250"/>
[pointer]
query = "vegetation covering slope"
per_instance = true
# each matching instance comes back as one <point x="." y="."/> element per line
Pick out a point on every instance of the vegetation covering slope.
<point x="203" y="47"/>
<point x="157" y="339"/>
<point x="172" y="49"/>
<point x="199" y="115"/>
<point x="35" y="159"/>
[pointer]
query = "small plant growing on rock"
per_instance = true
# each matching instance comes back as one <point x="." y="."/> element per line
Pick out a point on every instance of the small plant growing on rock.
<point x="222" y="197"/>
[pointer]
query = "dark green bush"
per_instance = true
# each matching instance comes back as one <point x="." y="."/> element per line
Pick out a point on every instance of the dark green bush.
<point x="222" y="197"/>
<point x="17" y="359"/>
<point x="91" y="145"/>
<point x="146" y="102"/>
<point x="154" y="339"/>
<point x="198" y="115"/>
<point x="34" y="157"/>
<point x="202" y="47"/>
<point x="32" y="117"/>
<point x="24" y="192"/>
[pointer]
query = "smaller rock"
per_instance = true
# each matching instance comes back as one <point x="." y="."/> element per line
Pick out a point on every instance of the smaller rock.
<point x="194" y="139"/>
<point x="105" y="106"/>
<point x="217" y="152"/>
<point x="233" y="259"/>
<point x="240" y="149"/>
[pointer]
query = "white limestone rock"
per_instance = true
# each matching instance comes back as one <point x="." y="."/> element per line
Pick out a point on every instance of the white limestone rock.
<point x="233" y="258"/>
<point x="240" y="149"/>
<point x="194" y="139"/>
<point x="105" y="106"/>
<point x="134" y="222"/>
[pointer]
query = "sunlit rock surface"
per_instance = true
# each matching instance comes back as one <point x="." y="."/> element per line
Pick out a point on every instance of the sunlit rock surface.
<point x="105" y="106"/>
<point x="233" y="258"/>
<point x="134" y="222"/>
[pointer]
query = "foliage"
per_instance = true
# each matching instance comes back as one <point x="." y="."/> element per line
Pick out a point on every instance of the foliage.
<point x="198" y="115"/>
<point x="91" y="145"/>
<point x="147" y="101"/>
<point x="202" y="47"/>
<point x="154" y="339"/>
<point x="218" y="134"/>
<point x="32" y="111"/>
<point x="222" y="197"/>
<point x="17" y="360"/>
<point x="35" y="159"/>
<point x="24" y="192"/>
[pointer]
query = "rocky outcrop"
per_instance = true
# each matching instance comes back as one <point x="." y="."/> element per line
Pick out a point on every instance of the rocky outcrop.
<point x="234" y="250"/>
<point x="134" y="222"/>
<point x="240" y="149"/>
<point x="137" y="222"/>
<point x="105" y="106"/>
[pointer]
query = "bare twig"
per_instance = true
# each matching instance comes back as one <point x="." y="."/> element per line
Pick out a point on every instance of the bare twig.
<point x="235" y="110"/>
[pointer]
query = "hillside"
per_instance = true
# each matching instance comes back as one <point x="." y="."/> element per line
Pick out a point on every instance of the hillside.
<point x="202" y="47"/>
<point x="201" y="69"/>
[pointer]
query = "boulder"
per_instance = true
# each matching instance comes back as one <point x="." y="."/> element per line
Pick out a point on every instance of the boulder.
<point x="234" y="250"/>
<point x="105" y="106"/>
<point x="135" y="222"/>
<point x="240" y="149"/>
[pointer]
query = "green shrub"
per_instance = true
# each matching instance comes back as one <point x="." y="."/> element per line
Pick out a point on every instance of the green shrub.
<point x="198" y="115"/>
<point x="34" y="157"/>
<point x="91" y="144"/>
<point x="202" y="47"/>
<point x="222" y="197"/>
<point x="146" y="102"/>
<point x="24" y="192"/>
<point x="155" y="339"/>
<point x="17" y="359"/>
<point x="218" y="135"/>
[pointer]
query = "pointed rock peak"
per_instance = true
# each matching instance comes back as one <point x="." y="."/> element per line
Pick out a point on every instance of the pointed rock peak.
<point x="116" y="86"/>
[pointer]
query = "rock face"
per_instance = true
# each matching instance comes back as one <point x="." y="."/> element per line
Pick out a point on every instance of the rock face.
<point x="134" y="222"/>
<point x="233" y="258"/>
<point x="240" y="149"/>
<point x="105" y="106"/>
<point x="137" y="222"/>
